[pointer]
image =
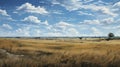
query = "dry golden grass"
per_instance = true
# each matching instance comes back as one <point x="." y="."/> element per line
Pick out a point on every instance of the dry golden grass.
<point x="59" y="53"/>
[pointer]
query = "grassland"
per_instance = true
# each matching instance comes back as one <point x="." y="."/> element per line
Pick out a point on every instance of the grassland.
<point x="59" y="53"/>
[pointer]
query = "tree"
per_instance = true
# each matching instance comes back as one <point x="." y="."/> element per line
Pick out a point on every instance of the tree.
<point x="80" y="38"/>
<point x="110" y="36"/>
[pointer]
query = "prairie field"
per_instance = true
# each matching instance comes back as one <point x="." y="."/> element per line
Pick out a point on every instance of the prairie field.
<point x="61" y="52"/>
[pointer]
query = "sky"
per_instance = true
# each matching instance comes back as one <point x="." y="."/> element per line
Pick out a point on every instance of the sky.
<point x="46" y="18"/>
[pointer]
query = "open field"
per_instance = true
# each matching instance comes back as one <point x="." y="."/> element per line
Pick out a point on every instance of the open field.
<point x="69" y="52"/>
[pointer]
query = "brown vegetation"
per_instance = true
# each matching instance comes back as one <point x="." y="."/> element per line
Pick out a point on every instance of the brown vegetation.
<point x="59" y="53"/>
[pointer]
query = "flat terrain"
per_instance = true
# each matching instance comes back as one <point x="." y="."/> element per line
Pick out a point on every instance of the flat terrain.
<point x="61" y="52"/>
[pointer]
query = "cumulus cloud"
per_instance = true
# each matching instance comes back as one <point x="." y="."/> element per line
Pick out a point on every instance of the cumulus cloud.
<point x="107" y="21"/>
<point x="63" y="29"/>
<point x="37" y="32"/>
<point x="94" y="24"/>
<point x="4" y="12"/>
<point x="69" y="32"/>
<point x="103" y="9"/>
<point x="7" y="26"/>
<point x="45" y="23"/>
<point x="73" y="5"/>
<point x="73" y="32"/>
<point x="96" y="31"/>
<point x="23" y="31"/>
<point x="63" y="25"/>
<point x="32" y="19"/>
<point x="19" y="30"/>
<point x="27" y="7"/>
<point x="91" y="22"/>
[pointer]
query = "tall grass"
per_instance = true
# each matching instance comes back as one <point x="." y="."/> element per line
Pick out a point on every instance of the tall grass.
<point x="59" y="53"/>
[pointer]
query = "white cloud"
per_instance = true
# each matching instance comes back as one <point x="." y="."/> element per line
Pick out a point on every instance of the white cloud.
<point x="117" y="5"/>
<point x="38" y="32"/>
<point x="19" y="30"/>
<point x="7" y="26"/>
<point x="68" y="32"/>
<point x="85" y="13"/>
<point x="103" y="9"/>
<point x="49" y="27"/>
<point x="27" y="7"/>
<point x="55" y="2"/>
<point x="11" y="19"/>
<point x="99" y="21"/>
<point x="63" y="29"/>
<point x="86" y="1"/>
<point x="15" y="12"/>
<point x="32" y="19"/>
<point x="57" y="12"/>
<point x="111" y="27"/>
<point x="5" y="16"/>
<point x="107" y="21"/>
<point x="91" y="22"/>
<point x="72" y="5"/>
<point x="95" y="31"/>
<point x="45" y="23"/>
<point x="22" y="31"/>
<point x="4" y="12"/>
<point x="73" y="32"/>
<point x="63" y="25"/>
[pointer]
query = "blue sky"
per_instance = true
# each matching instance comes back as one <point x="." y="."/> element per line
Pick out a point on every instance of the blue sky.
<point x="59" y="17"/>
